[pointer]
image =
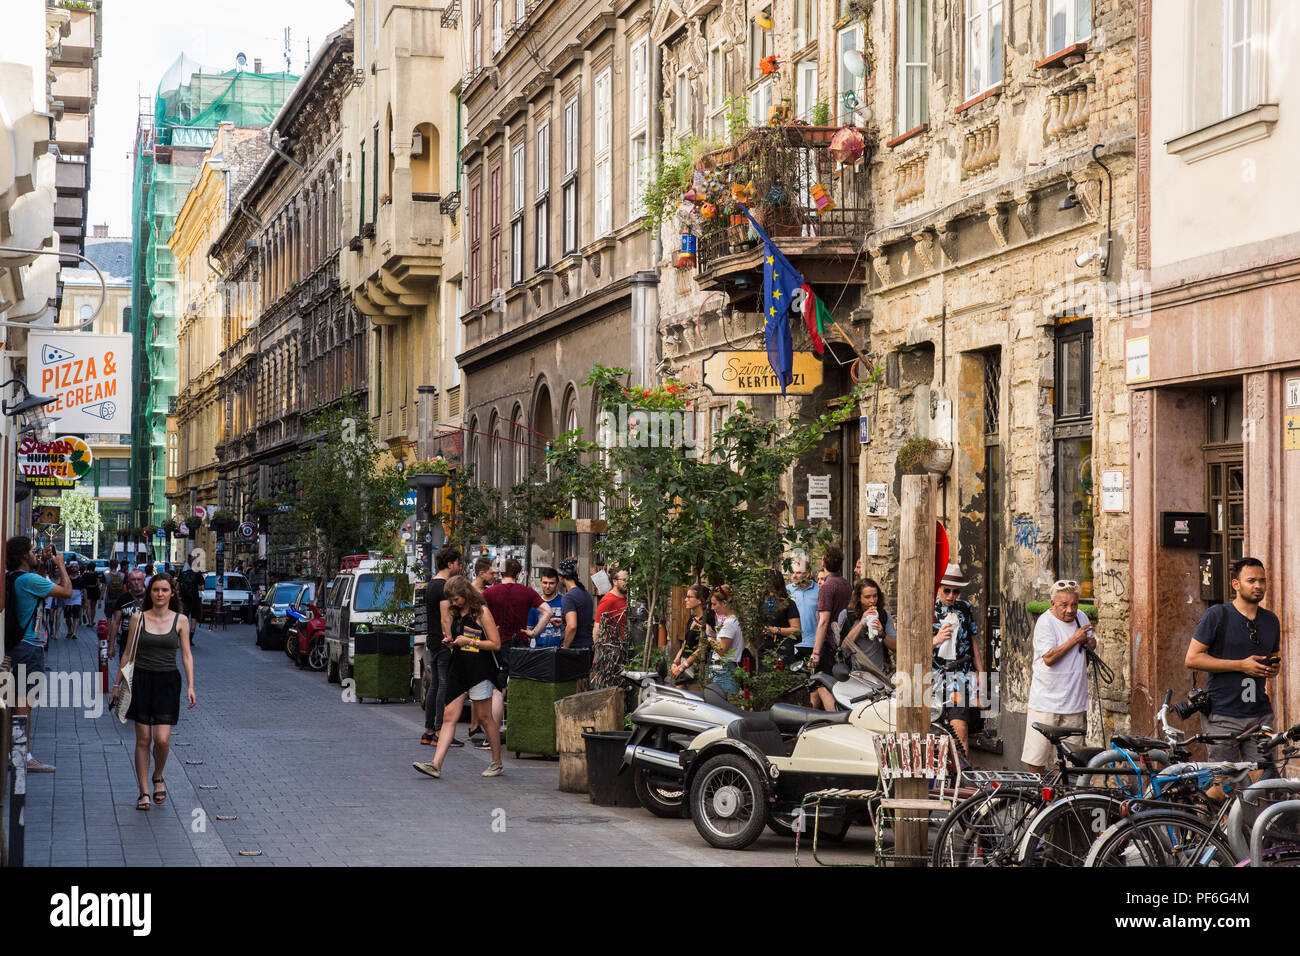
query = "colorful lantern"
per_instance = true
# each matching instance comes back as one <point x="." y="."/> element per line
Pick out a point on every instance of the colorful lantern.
<point x="847" y="145"/>
<point x="822" y="197"/>
<point x="708" y="210"/>
<point x="768" y="65"/>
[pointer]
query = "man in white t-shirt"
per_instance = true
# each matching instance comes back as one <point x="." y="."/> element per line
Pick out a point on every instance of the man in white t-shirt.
<point x="1058" y="692"/>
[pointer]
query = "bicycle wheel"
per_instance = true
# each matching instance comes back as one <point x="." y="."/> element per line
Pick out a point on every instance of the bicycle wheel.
<point x="1062" y="832"/>
<point x="1161" y="838"/>
<point x="985" y="829"/>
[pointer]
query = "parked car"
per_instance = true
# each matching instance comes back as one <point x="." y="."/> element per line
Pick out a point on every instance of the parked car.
<point x="236" y="596"/>
<point x="354" y="601"/>
<point x="271" y="618"/>
<point x="81" y="559"/>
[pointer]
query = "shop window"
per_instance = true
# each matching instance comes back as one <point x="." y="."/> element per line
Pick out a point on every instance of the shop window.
<point x="1075" y="508"/>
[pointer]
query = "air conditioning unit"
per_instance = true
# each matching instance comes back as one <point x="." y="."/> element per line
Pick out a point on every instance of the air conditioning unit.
<point x="417" y="144"/>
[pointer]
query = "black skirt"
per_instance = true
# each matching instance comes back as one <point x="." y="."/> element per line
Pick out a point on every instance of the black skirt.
<point x="155" y="697"/>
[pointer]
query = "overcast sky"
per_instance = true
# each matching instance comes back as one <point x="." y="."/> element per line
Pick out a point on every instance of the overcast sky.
<point x="143" y="38"/>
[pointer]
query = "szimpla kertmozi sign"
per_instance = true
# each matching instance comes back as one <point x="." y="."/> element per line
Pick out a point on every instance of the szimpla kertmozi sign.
<point x="56" y="464"/>
<point x="89" y="377"/>
<point x="747" y="373"/>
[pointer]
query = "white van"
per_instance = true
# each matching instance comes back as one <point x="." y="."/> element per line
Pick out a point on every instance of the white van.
<point x="354" y="600"/>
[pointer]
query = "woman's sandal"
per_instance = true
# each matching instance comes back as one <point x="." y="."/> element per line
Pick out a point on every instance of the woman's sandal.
<point x="143" y="802"/>
<point x="159" y="797"/>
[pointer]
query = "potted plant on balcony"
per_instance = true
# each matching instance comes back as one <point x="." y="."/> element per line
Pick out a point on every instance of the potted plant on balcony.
<point x="428" y="474"/>
<point x="223" y="522"/>
<point x="924" y="455"/>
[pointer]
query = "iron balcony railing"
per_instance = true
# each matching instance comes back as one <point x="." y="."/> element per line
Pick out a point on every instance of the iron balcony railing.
<point x="782" y="171"/>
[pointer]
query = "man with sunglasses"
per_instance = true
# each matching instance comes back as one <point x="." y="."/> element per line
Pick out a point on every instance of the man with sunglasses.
<point x="956" y="646"/>
<point x="1237" y="645"/>
<point x="1058" y="689"/>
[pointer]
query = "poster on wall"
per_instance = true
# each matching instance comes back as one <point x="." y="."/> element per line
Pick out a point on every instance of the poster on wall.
<point x="89" y="377"/>
<point x="876" y="500"/>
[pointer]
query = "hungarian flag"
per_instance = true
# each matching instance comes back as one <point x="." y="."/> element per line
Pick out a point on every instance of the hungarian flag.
<point x="815" y="316"/>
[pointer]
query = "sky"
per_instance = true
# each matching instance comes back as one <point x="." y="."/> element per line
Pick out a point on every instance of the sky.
<point x="142" y="38"/>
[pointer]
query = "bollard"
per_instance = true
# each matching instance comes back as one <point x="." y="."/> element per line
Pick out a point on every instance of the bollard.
<point x="17" y="789"/>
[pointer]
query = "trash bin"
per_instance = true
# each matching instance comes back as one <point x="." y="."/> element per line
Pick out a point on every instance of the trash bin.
<point x="381" y="665"/>
<point x="605" y="785"/>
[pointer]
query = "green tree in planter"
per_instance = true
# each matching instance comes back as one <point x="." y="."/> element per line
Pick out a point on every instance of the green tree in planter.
<point x="680" y="514"/>
<point x="344" y="494"/>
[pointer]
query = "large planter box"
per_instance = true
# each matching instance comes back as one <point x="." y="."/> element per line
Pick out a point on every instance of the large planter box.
<point x="594" y="710"/>
<point x="550" y="665"/>
<point x="381" y="665"/>
<point x="531" y="715"/>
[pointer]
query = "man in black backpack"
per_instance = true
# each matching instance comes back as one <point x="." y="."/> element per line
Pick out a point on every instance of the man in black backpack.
<point x="1237" y="645"/>
<point x="25" y="592"/>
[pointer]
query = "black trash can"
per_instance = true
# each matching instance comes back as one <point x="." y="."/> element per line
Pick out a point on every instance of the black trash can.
<point x="605" y="785"/>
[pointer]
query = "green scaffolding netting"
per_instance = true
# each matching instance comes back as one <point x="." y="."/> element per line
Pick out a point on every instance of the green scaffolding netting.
<point x="190" y="102"/>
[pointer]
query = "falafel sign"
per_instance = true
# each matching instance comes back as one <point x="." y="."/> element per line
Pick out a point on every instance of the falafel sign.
<point x="55" y="464"/>
<point x="89" y="377"/>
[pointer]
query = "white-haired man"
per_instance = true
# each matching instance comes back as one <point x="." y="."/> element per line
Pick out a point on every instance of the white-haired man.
<point x="1058" y="691"/>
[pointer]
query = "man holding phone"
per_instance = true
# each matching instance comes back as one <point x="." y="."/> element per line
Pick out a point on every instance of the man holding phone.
<point x="1058" y="691"/>
<point x="1237" y="645"/>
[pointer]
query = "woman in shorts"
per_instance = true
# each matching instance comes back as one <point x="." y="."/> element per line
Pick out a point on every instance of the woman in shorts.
<point x="474" y="642"/>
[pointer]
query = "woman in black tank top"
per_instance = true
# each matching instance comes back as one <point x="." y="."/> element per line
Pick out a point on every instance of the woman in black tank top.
<point x="159" y="633"/>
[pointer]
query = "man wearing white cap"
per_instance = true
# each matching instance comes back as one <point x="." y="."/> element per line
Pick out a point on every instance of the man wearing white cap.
<point x="955" y="633"/>
<point x="1058" y="690"/>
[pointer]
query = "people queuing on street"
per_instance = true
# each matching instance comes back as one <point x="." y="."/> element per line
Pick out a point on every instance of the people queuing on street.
<point x="866" y="627"/>
<point x="548" y="630"/>
<point x="437" y="653"/>
<point x="729" y="642"/>
<point x="576" y="607"/>
<point x="160" y="632"/>
<point x="25" y="591"/>
<point x="1058" y="688"/>
<point x="611" y="610"/>
<point x="692" y="655"/>
<point x="474" y="640"/>
<point x="833" y="597"/>
<point x="956" y="652"/>
<point x="784" y="623"/>
<point x="804" y="592"/>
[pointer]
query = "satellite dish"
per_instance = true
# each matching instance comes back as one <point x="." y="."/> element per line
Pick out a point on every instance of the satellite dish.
<point x="240" y="60"/>
<point x="856" y="65"/>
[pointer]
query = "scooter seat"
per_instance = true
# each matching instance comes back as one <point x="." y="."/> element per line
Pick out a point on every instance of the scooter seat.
<point x="790" y="717"/>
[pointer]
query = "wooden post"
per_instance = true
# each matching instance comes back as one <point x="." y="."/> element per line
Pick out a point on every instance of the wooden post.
<point x="915" y="634"/>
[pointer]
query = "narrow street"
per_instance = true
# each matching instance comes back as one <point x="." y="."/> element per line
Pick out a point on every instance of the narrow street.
<point x="310" y="780"/>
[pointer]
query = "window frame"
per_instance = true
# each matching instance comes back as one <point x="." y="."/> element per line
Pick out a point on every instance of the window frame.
<point x="803" y="110"/>
<point x="909" y="115"/>
<point x="475" y="229"/>
<point x="1072" y="425"/>
<point x="602" y="152"/>
<point x="993" y="62"/>
<point x="845" y="81"/>
<point x="1070" y="10"/>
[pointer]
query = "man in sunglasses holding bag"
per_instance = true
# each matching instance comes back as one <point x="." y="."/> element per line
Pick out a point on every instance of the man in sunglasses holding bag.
<point x="1237" y="645"/>
<point x="1058" y="688"/>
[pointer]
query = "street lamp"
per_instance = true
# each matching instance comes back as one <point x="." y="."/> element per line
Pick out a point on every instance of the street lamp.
<point x="31" y="409"/>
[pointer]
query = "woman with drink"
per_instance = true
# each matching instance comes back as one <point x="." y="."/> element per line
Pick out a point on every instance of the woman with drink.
<point x="866" y="627"/>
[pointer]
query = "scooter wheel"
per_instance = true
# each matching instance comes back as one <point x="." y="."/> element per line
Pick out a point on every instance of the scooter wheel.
<point x="729" y="802"/>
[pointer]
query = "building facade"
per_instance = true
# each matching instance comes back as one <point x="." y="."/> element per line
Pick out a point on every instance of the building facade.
<point x="398" y="203"/>
<point x="291" y="342"/>
<point x="197" y="428"/>
<point x="753" y="93"/>
<point x="1213" y="359"/>
<point x="1005" y="224"/>
<point x="559" y="267"/>
<point x="74" y="88"/>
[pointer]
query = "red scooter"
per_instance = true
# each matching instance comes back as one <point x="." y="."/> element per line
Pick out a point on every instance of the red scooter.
<point x="307" y="638"/>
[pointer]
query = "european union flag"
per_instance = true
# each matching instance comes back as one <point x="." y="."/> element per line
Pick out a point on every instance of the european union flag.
<point x="781" y="285"/>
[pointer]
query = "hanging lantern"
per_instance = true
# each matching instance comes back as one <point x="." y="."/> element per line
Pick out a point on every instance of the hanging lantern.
<point x="764" y="21"/>
<point x="768" y="65"/>
<point x="847" y="145"/>
<point x="774" y="194"/>
<point x="822" y="197"/>
<point x="708" y="210"/>
<point x="686" y="256"/>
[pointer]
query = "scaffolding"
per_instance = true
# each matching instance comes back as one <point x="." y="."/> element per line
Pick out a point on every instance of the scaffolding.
<point x="174" y="129"/>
